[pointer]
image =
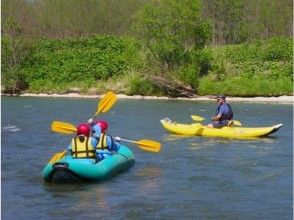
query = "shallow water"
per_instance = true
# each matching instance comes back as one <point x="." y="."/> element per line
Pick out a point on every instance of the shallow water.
<point x="191" y="178"/>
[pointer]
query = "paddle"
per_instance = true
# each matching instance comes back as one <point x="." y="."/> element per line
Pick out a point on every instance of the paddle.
<point x="57" y="157"/>
<point x="106" y="103"/>
<point x="63" y="127"/>
<point x="147" y="145"/>
<point x="67" y="128"/>
<point x="198" y="118"/>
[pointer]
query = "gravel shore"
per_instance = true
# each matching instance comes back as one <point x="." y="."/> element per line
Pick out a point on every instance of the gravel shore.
<point x="279" y="99"/>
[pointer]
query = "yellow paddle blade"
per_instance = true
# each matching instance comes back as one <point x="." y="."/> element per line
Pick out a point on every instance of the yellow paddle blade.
<point x="237" y="123"/>
<point x="148" y="145"/>
<point x="106" y="103"/>
<point x="63" y="127"/>
<point x="197" y="118"/>
<point x="57" y="157"/>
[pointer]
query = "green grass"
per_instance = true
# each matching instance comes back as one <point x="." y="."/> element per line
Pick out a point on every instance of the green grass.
<point x="239" y="86"/>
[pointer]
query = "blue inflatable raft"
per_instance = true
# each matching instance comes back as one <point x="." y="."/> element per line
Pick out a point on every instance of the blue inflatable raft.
<point x="68" y="169"/>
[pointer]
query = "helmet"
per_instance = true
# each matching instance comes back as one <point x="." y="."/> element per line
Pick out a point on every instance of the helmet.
<point x="84" y="129"/>
<point x="103" y="125"/>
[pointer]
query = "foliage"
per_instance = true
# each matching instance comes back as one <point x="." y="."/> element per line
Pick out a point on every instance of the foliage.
<point x="170" y="29"/>
<point x="14" y="50"/>
<point x="238" y="21"/>
<point x="174" y="34"/>
<point x="257" y="68"/>
<point x="238" y="86"/>
<point x="74" y="18"/>
<point x="273" y="49"/>
<point x="233" y="21"/>
<point x="84" y="59"/>
<point x="141" y="86"/>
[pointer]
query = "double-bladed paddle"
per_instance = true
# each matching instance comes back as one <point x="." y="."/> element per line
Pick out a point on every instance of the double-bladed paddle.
<point x="198" y="118"/>
<point x="103" y="106"/>
<point x="67" y="128"/>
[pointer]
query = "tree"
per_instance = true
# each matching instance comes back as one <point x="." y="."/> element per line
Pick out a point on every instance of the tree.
<point x="170" y="29"/>
<point x="14" y="51"/>
<point x="237" y="21"/>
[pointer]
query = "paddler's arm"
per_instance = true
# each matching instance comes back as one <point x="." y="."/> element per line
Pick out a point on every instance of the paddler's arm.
<point x="220" y="113"/>
<point x="216" y="118"/>
<point x="113" y="142"/>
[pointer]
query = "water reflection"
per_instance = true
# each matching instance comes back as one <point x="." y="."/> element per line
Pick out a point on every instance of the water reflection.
<point x="150" y="178"/>
<point x="81" y="195"/>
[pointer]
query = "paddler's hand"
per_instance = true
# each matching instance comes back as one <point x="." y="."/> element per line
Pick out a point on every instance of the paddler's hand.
<point x="117" y="139"/>
<point x="215" y="118"/>
<point x="90" y="122"/>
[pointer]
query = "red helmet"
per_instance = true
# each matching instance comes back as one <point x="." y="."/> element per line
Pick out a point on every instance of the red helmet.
<point x="84" y="129"/>
<point x="103" y="125"/>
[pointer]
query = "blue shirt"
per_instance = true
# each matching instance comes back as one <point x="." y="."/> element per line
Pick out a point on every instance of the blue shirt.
<point x="225" y="111"/>
<point x="112" y="145"/>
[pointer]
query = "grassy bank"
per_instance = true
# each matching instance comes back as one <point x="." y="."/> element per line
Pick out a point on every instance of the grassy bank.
<point x="261" y="68"/>
<point x="95" y="64"/>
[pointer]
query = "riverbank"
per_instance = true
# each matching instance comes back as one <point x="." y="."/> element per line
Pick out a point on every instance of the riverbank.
<point x="278" y="100"/>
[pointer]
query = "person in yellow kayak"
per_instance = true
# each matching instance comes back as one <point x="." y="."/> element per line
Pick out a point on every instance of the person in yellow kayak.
<point x="223" y="114"/>
<point x="106" y="144"/>
<point x="83" y="145"/>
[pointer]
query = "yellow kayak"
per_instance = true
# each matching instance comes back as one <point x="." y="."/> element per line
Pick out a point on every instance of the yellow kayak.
<point x="229" y="132"/>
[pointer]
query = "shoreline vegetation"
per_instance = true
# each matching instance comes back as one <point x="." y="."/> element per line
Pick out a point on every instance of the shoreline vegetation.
<point x="179" y="48"/>
<point x="278" y="100"/>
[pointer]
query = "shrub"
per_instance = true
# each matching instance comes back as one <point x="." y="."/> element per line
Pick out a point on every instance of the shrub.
<point x="71" y="60"/>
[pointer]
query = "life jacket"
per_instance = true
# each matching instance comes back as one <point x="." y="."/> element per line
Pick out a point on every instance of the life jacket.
<point x="82" y="147"/>
<point x="225" y="116"/>
<point x="102" y="142"/>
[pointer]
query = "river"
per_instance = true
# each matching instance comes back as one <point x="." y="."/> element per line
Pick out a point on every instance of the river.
<point x="191" y="178"/>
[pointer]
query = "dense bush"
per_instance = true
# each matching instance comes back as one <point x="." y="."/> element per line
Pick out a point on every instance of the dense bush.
<point x="140" y="86"/>
<point x="84" y="59"/>
<point x="257" y="68"/>
<point x="274" y="49"/>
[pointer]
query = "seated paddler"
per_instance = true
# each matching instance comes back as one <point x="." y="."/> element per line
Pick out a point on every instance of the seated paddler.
<point x="223" y="113"/>
<point x="106" y="144"/>
<point x="83" y="145"/>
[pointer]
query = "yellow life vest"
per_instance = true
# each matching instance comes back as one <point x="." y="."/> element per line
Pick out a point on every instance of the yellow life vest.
<point x="82" y="147"/>
<point x="102" y="145"/>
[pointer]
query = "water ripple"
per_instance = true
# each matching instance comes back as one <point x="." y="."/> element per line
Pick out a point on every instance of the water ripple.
<point x="10" y="128"/>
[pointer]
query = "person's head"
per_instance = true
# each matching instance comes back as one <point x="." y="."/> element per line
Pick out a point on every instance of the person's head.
<point x="103" y="125"/>
<point x="84" y="129"/>
<point x="220" y="98"/>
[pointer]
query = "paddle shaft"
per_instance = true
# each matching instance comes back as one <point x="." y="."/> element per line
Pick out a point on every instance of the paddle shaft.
<point x="198" y="118"/>
<point x="129" y="141"/>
